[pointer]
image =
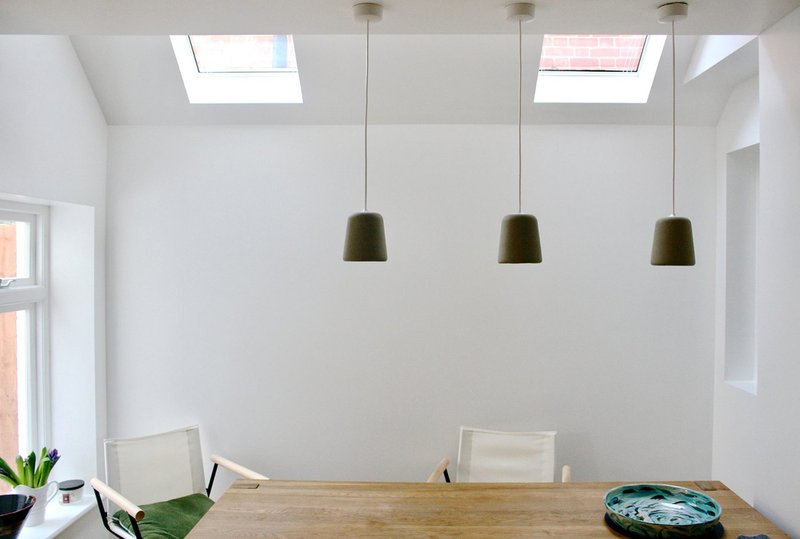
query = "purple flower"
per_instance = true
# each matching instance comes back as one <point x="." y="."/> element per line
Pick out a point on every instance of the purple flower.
<point x="54" y="456"/>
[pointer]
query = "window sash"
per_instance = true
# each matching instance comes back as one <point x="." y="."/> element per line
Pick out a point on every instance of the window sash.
<point x="37" y="219"/>
<point x="30" y="295"/>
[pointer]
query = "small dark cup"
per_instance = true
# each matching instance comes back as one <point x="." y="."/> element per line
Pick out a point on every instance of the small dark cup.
<point x="14" y="510"/>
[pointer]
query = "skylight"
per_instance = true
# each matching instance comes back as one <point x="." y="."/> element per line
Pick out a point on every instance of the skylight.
<point x="596" y="68"/>
<point x="244" y="54"/>
<point x="606" y="53"/>
<point x="238" y="68"/>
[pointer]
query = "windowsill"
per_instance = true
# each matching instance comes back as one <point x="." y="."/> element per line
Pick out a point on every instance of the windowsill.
<point x="59" y="517"/>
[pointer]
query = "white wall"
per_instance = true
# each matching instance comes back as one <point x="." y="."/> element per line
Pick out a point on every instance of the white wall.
<point x="755" y="435"/>
<point x="53" y="150"/>
<point x="734" y="447"/>
<point x="778" y="405"/>
<point x="230" y="306"/>
<point x="52" y="131"/>
<point x="76" y="341"/>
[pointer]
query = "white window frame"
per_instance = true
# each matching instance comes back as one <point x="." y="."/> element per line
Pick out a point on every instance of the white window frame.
<point x="231" y="88"/>
<point x="32" y="294"/>
<point x="603" y="87"/>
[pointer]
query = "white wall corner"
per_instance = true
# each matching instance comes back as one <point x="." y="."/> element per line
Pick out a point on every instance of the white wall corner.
<point x="711" y="50"/>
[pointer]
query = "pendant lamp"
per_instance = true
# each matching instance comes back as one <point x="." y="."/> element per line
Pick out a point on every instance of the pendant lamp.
<point x="519" y="232"/>
<point x="673" y="244"/>
<point x="365" y="240"/>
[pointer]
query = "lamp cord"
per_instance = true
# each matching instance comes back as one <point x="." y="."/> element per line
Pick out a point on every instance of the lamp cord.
<point x="366" y="112"/>
<point x="673" y="118"/>
<point x="519" y="125"/>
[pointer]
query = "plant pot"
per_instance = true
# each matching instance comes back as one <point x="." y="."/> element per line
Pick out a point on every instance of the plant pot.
<point x="43" y="496"/>
<point x="14" y="508"/>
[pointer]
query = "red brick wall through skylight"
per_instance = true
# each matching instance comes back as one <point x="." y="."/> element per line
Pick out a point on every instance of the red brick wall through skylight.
<point x="591" y="52"/>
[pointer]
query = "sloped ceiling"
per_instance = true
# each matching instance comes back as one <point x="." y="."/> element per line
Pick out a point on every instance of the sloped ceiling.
<point x="432" y="61"/>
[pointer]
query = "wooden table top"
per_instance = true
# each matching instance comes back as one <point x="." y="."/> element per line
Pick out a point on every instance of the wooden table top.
<point x="251" y="509"/>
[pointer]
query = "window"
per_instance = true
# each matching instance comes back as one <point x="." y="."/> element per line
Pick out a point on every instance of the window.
<point x="238" y="68"/>
<point x="592" y="52"/>
<point x="597" y="68"/>
<point x="23" y="317"/>
<point x="17" y="234"/>
<point x="244" y="54"/>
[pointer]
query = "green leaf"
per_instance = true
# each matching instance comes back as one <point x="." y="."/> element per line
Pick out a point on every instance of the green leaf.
<point x="9" y="480"/>
<point x="21" y="469"/>
<point x="30" y="466"/>
<point x="7" y="473"/>
<point x="37" y="473"/>
<point x="44" y="472"/>
<point x="43" y="455"/>
<point x="28" y="473"/>
<point x="32" y="463"/>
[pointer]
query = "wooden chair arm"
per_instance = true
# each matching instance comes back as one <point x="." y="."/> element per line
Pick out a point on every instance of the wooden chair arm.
<point x="566" y="473"/>
<point x="438" y="471"/>
<point x="121" y="501"/>
<point x="237" y="468"/>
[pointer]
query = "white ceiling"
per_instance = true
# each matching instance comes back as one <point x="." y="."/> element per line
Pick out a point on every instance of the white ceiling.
<point x="160" y="17"/>
<point x="432" y="61"/>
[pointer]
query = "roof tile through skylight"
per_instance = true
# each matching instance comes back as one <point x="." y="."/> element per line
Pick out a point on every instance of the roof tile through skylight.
<point x="592" y="52"/>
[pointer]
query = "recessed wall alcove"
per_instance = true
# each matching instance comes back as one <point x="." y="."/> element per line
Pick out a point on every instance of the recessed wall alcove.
<point x="740" y="268"/>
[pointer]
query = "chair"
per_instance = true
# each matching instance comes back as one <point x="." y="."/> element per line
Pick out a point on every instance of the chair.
<point x="504" y="457"/>
<point x="164" y="474"/>
<point x="439" y="471"/>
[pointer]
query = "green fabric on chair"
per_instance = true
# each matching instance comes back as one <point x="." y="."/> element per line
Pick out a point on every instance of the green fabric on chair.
<point x="172" y="519"/>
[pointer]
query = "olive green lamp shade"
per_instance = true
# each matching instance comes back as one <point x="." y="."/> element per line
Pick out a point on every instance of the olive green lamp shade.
<point x="519" y="240"/>
<point x="673" y="244"/>
<point x="365" y="240"/>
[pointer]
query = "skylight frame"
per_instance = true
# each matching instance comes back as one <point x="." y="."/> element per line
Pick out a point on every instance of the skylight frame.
<point x="280" y="86"/>
<point x="603" y="86"/>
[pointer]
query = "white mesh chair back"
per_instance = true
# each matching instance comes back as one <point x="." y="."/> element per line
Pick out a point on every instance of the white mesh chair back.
<point x="157" y="467"/>
<point x="506" y="457"/>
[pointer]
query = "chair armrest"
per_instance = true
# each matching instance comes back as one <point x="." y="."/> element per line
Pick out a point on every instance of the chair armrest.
<point x="237" y="468"/>
<point x="566" y="473"/>
<point x="438" y="471"/>
<point x="121" y="501"/>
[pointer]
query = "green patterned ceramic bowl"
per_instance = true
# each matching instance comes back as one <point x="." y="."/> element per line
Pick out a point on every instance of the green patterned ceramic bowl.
<point x="662" y="511"/>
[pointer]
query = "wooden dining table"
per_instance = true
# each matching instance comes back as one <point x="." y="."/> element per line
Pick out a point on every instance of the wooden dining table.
<point x="311" y="509"/>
